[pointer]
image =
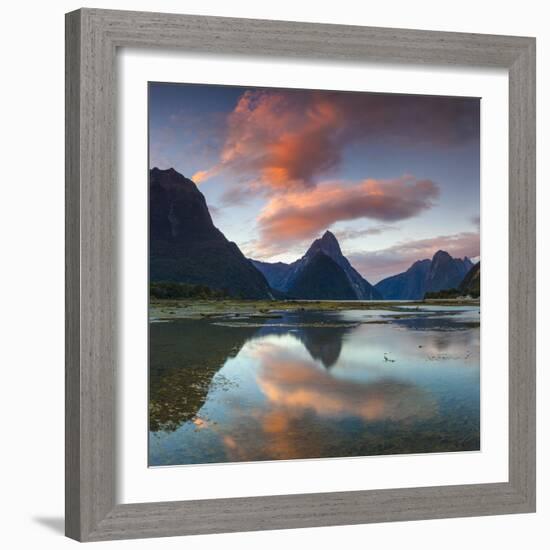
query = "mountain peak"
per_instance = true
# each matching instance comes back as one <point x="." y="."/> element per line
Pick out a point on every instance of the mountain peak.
<point x="327" y="244"/>
<point x="171" y="179"/>
<point x="328" y="236"/>
<point x="324" y="254"/>
<point x="185" y="245"/>
<point x="322" y="278"/>
<point x="440" y="273"/>
<point x="178" y="209"/>
<point x="441" y="254"/>
<point x="157" y="170"/>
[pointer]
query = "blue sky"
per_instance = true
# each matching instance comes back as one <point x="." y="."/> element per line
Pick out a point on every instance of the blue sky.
<point x="395" y="177"/>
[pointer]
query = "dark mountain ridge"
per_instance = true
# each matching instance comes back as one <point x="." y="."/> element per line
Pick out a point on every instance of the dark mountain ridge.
<point x="446" y="272"/>
<point x="321" y="278"/>
<point x="406" y="286"/>
<point x="471" y="284"/>
<point x="186" y="247"/>
<point x="440" y="273"/>
<point x="288" y="278"/>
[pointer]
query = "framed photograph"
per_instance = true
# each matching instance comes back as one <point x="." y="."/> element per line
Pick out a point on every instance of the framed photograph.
<point x="276" y="310"/>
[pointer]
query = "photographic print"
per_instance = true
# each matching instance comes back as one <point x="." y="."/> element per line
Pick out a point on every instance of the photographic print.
<point x="314" y="274"/>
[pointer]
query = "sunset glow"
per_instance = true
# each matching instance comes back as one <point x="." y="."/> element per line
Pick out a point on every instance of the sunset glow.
<point x="395" y="177"/>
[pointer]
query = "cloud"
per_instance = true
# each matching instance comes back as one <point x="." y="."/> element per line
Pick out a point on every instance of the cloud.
<point x="296" y="216"/>
<point x="298" y="385"/>
<point x="288" y="139"/>
<point x="234" y="195"/>
<point x="349" y="234"/>
<point x="202" y="175"/>
<point x="378" y="264"/>
<point x="299" y="393"/>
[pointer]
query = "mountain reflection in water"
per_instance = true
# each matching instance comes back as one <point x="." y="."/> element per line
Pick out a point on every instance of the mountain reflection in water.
<point x="314" y="384"/>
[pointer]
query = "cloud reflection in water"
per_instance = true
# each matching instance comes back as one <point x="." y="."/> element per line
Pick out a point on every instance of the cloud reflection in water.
<point x="318" y="392"/>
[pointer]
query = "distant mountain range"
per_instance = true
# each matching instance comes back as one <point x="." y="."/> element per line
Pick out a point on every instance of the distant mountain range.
<point x="440" y="273"/>
<point x="186" y="247"/>
<point x="322" y="273"/>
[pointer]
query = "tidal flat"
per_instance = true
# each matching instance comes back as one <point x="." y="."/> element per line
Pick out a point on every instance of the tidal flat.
<point x="236" y="380"/>
<point x="171" y="309"/>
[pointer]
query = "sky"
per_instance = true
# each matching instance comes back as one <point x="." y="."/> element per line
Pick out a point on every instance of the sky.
<point x="395" y="177"/>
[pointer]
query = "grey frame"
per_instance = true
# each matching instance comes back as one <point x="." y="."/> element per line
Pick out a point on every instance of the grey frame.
<point x="92" y="38"/>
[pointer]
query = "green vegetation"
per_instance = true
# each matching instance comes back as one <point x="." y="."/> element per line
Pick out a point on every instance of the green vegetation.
<point x="444" y="294"/>
<point x="450" y="293"/>
<point x="169" y="290"/>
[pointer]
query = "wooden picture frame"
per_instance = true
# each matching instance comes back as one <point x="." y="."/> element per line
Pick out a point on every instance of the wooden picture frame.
<point x="92" y="39"/>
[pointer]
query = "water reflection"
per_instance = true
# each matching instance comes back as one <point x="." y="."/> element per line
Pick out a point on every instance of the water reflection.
<point x="291" y="383"/>
<point x="184" y="357"/>
<point x="313" y="385"/>
<point x="322" y="344"/>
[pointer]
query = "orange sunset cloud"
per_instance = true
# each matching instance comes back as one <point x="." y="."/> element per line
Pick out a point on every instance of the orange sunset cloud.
<point x="299" y="384"/>
<point x="286" y="140"/>
<point x="298" y="215"/>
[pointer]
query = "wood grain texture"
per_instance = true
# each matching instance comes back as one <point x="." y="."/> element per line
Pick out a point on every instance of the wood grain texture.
<point x="522" y="274"/>
<point x="91" y="283"/>
<point x="225" y="35"/>
<point x="72" y="277"/>
<point x="92" y="37"/>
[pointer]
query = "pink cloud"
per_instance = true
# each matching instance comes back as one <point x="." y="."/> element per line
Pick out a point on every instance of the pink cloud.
<point x="287" y="139"/>
<point x="297" y="384"/>
<point x="349" y="234"/>
<point x="292" y="217"/>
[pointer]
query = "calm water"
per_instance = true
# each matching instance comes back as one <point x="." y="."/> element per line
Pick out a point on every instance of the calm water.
<point x="310" y="385"/>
